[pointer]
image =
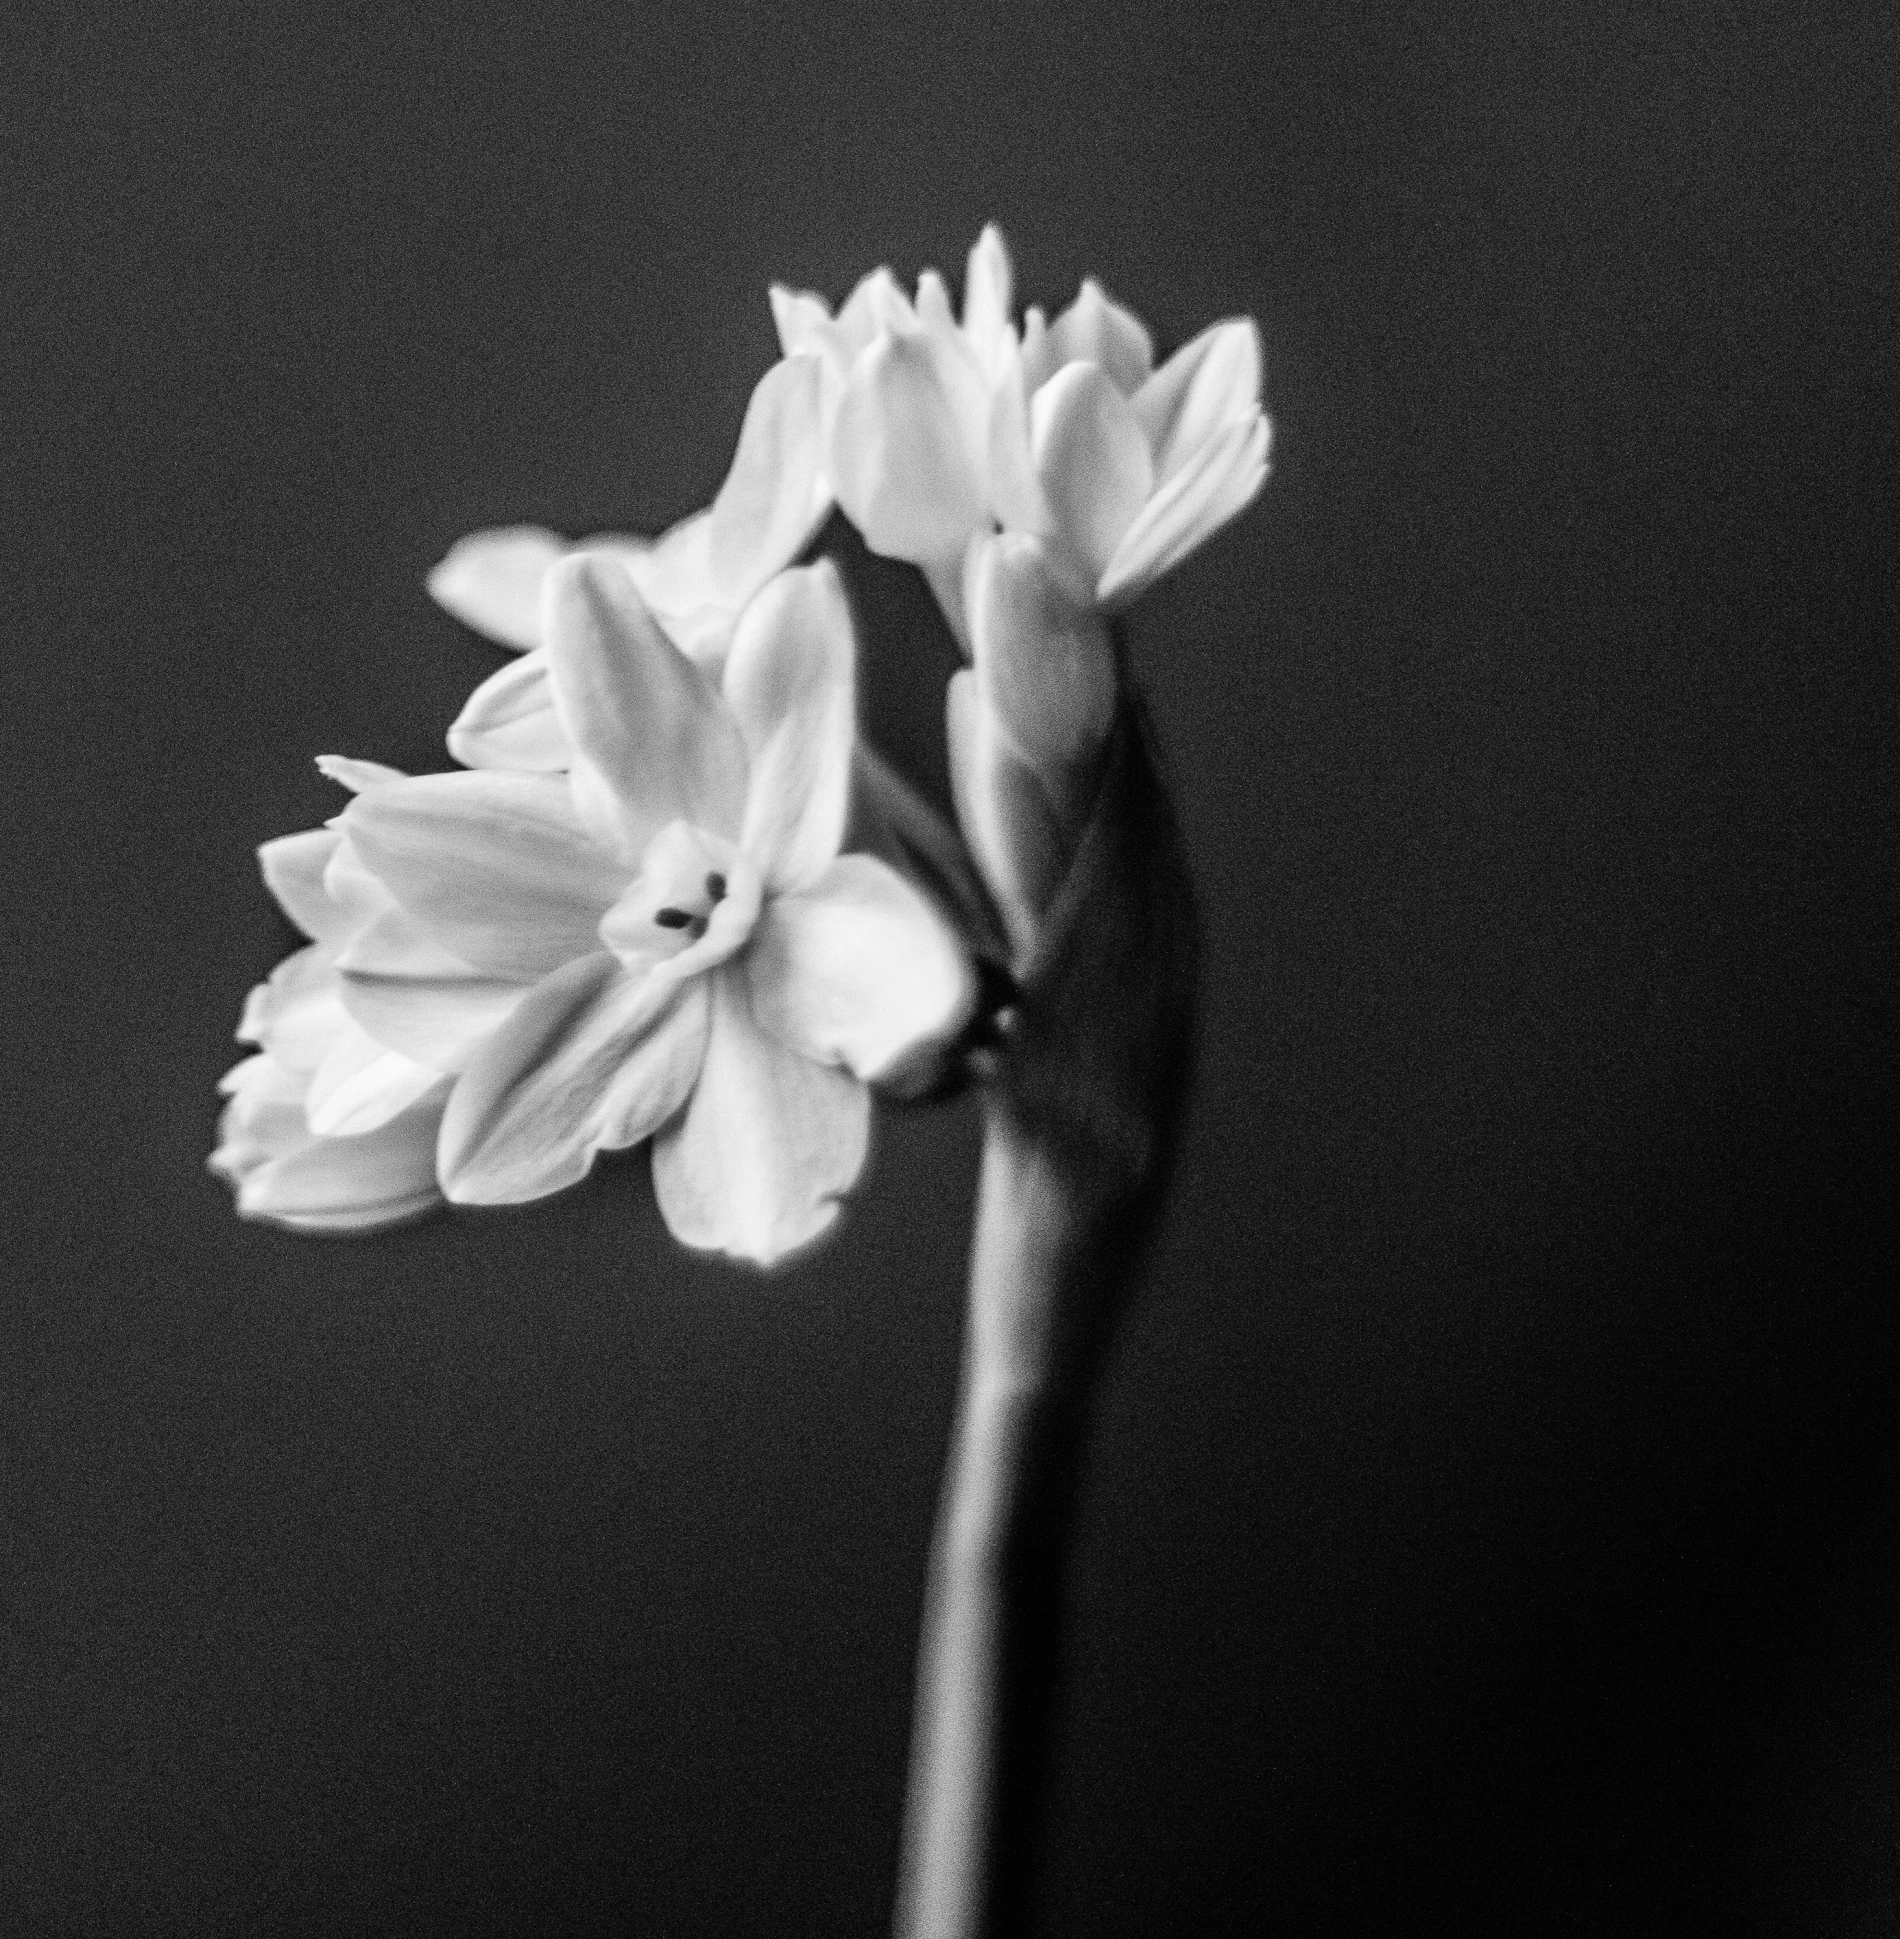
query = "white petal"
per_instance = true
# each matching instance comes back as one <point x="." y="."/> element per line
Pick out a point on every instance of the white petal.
<point x="774" y="496"/>
<point x="296" y="1014"/>
<point x="1044" y="665"/>
<point x="591" y="1060"/>
<point x="1193" y="505"/>
<point x="858" y="969"/>
<point x="674" y="574"/>
<point x="1091" y="461"/>
<point x="1205" y="387"/>
<point x="636" y="708"/>
<point x="494" y="866"/>
<point x="356" y="775"/>
<point x="799" y="317"/>
<point x="509" y="721"/>
<point x="293" y="867"/>
<point x="768" y="1142"/>
<point x="492" y="582"/>
<point x="356" y="892"/>
<point x="1095" y="329"/>
<point x="1015" y="495"/>
<point x="1008" y="821"/>
<point x="284" y="1173"/>
<point x="437" y="1021"/>
<point x="361" y="1084"/>
<point x="791" y="685"/>
<point x="394" y="943"/>
<point x="910" y="444"/>
<point x="987" y="298"/>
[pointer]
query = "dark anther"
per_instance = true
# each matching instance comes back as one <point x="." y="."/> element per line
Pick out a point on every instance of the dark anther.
<point x="673" y="919"/>
<point x="716" y="886"/>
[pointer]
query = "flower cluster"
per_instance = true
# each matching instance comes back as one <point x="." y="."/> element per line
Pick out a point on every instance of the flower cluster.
<point x="627" y="914"/>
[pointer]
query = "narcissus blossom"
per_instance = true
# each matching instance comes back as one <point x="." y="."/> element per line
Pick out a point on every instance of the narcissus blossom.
<point x="696" y="578"/>
<point x="691" y="956"/>
<point x="945" y="430"/>
<point x="325" y="1128"/>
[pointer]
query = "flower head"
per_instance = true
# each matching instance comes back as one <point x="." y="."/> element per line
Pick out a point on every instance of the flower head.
<point x="945" y="430"/>
<point x="692" y="958"/>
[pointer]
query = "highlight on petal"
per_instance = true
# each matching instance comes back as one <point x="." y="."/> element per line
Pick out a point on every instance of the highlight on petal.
<point x="637" y="709"/>
<point x="361" y="1084"/>
<point x="800" y="318"/>
<point x="1012" y="828"/>
<point x="1206" y="386"/>
<point x="1095" y="329"/>
<point x="436" y="1021"/>
<point x="769" y="1141"/>
<point x="987" y="298"/>
<point x="492" y="581"/>
<point x="909" y="446"/>
<point x="775" y="495"/>
<point x="1091" y="460"/>
<point x="791" y="683"/>
<point x="591" y="1060"/>
<point x="283" y="1173"/>
<point x="509" y="721"/>
<point x="1193" y="505"/>
<point x="1044" y="665"/>
<point x="495" y="867"/>
<point x="293" y="868"/>
<point x="393" y="943"/>
<point x="356" y="775"/>
<point x="858" y="969"/>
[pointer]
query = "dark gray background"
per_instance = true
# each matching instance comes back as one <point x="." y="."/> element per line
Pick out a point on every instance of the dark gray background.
<point x="1494" y="1522"/>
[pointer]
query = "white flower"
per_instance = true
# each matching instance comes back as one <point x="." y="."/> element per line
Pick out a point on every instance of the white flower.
<point x="945" y="430"/>
<point x="325" y="1129"/>
<point x="705" y="967"/>
<point x="696" y="578"/>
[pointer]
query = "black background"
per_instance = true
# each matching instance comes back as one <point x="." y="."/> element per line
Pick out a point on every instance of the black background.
<point x="1494" y="1519"/>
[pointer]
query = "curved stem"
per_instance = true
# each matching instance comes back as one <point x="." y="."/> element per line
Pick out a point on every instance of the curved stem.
<point x="987" y="1659"/>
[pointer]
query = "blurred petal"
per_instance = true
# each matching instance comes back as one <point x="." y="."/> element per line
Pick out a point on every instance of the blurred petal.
<point x="494" y="866"/>
<point x="933" y="303"/>
<point x="1044" y="665"/>
<point x="774" y="497"/>
<point x="1040" y="356"/>
<point x="909" y="446"/>
<point x="638" y="709"/>
<point x="1014" y="835"/>
<point x="1194" y="504"/>
<point x="356" y="775"/>
<point x="297" y="1012"/>
<point x="361" y="1084"/>
<point x="756" y="1163"/>
<point x="1015" y="494"/>
<point x="987" y="296"/>
<point x="1203" y="388"/>
<point x="393" y="943"/>
<point x="492" y="582"/>
<point x="293" y="867"/>
<point x="282" y="1172"/>
<point x="858" y="969"/>
<point x="1091" y="460"/>
<point x="356" y="892"/>
<point x="591" y="1060"/>
<point x="791" y="685"/>
<point x="674" y="574"/>
<point x="437" y="1021"/>
<point x="509" y="721"/>
<point x="799" y="317"/>
<point x="1096" y="330"/>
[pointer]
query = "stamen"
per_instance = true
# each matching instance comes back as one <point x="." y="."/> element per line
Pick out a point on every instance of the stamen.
<point x="716" y="886"/>
<point x="673" y="919"/>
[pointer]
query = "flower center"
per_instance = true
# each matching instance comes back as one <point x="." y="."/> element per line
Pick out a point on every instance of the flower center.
<point x="692" y="904"/>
